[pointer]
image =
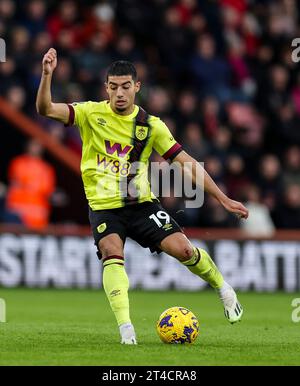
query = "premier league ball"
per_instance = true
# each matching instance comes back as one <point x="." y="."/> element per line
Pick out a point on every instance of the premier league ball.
<point x="177" y="325"/>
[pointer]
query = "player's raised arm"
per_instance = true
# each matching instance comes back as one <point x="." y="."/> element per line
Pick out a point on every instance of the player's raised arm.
<point x="198" y="173"/>
<point x="44" y="104"/>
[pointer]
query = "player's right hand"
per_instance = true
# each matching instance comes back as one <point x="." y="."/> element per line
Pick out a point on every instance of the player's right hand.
<point x="49" y="61"/>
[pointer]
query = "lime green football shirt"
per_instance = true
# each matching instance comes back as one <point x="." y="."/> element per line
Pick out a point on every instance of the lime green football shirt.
<point x="108" y="139"/>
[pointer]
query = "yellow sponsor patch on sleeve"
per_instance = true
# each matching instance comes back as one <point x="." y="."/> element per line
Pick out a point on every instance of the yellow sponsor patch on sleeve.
<point x="101" y="228"/>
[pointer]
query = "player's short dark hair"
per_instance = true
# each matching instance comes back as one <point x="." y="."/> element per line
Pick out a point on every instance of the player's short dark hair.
<point x="122" y="67"/>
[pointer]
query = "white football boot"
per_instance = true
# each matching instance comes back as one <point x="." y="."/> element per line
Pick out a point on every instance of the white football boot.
<point x="127" y="334"/>
<point x="233" y="310"/>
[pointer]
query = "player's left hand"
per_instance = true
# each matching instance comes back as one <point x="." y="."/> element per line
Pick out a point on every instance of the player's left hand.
<point x="235" y="207"/>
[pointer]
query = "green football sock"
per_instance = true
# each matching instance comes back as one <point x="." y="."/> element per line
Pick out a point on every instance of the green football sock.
<point x="202" y="265"/>
<point x="116" y="285"/>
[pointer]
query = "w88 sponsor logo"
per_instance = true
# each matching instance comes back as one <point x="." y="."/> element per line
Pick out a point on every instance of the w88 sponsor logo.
<point x="115" y="166"/>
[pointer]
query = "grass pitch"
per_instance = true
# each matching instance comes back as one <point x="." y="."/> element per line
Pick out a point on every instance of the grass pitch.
<point x="77" y="327"/>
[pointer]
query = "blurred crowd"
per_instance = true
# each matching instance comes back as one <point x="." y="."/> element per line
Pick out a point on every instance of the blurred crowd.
<point x="219" y="73"/>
